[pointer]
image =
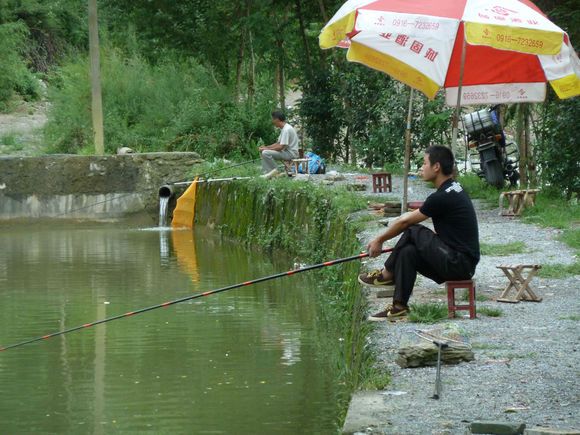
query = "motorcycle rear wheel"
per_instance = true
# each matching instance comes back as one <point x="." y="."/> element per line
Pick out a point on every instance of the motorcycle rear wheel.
<point x="494" y="173"/>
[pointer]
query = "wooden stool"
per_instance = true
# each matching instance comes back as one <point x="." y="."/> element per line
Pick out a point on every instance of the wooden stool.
<point x="452" y="307"/>
<point x="382" y="182"/>
<point x="519" y="282"/>
<point x="298" y="162"/>
<point x="517" y="201"/>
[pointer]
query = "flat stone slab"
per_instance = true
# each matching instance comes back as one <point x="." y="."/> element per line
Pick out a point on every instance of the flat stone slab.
<point x="366" y="410"/>
<point x="497" y="427"/>
<point x="540" y="430"/>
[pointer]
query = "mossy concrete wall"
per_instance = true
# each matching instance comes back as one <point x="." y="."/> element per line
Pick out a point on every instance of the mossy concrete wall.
<point x="88" y="187"/>
<point x="297" y="220"/>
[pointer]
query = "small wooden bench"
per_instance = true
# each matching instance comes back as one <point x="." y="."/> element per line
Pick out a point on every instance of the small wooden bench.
<point x="519" y="276"/>
<point x="297" y="162"/>
<point x="517" y="201"/>
<point x="382" y="182"/>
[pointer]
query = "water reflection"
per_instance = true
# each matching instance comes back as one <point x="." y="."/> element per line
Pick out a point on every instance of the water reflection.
<point x="254" y="352"/>
<point x="164" y="251"/>
<point x="184" y="248"/>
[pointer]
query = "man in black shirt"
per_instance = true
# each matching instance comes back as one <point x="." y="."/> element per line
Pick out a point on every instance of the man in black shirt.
<point x="450" y="253"/>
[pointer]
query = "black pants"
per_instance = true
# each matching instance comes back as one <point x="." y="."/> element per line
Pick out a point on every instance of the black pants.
<point x="420" y="250"/>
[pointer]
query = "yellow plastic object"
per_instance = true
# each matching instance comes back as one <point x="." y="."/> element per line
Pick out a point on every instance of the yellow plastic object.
<point x="184" y="212"/>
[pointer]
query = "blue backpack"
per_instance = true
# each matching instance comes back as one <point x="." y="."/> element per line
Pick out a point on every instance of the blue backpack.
<point x="315" y="164"/>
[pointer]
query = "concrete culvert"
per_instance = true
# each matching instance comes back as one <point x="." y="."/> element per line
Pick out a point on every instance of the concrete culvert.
<point x="166" y="191"/>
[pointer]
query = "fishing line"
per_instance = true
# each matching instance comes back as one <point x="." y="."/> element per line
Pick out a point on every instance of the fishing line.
<point x="191" y="297"/>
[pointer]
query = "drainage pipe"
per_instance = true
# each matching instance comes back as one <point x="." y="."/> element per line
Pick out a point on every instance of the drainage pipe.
<point x="166" y="191"/>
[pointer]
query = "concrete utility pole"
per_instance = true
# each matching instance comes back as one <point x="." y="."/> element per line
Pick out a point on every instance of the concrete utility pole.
<point x="97" y="102"/>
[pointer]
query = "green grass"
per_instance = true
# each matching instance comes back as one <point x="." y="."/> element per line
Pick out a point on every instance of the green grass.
<point x="479" y="297"/>
<point x="376" y="379"/>
<point x="559" y="271"/>
<point x="575" y="317"/>
<point x="502" y="249"/>
<point x="476" y="188"/>
<point x="555" y="212"/>
<point x="428" y="313"/>
<point x="490" y="312"/>
<point x="486" y="346"/>
<point x="11" y="142"/>
<point x="571" y="237"/>
<point x="551" y="211"/>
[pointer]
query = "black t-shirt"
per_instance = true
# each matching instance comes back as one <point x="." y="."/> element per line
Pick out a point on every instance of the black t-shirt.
<point x="454" y="218"/>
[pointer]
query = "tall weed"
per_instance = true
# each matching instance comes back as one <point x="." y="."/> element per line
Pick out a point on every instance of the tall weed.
<point x="173" y="106"/>
<point x="14" y="75"/>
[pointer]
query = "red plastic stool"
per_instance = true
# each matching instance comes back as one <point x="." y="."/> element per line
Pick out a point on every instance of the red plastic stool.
<point x="452" y="306"/>
<point x="382" y="182"/>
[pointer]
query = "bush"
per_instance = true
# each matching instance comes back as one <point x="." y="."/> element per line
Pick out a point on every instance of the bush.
<point x="557" y="151"/>
<point x="14" y="75"/>
<point x="172" y="106"/>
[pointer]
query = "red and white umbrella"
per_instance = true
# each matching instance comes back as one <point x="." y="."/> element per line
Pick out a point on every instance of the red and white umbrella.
<point x="494" y="51"/>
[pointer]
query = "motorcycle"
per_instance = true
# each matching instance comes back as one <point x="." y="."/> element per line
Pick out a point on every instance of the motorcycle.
<point x="492" y="158"/>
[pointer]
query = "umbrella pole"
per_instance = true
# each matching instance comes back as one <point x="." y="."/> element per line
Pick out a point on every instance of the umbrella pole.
<point x="459" y="89"/>
<point x="407" y="154"/>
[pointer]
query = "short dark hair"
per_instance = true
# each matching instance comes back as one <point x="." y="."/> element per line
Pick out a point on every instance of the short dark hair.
<point x="443" y="156"/>
<point x="278" y="114"/>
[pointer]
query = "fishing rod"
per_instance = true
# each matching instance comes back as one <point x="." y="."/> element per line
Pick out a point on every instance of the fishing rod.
<point x="209" y="180"/>
<point x="181" y="181"/>
<point x="191" y="297"/>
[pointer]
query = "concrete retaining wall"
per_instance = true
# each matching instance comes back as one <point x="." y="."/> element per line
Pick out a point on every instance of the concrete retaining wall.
<point x="88" y="187"/>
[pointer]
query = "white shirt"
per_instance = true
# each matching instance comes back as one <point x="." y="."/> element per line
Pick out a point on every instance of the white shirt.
<point x="289" y="139"/>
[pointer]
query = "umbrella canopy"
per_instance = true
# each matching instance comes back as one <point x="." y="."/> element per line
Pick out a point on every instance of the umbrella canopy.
<point x="495" y="52"/>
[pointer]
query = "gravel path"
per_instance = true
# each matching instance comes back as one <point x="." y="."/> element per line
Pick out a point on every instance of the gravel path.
<point x="21" y="131"/>
<point x="526" y="366"/>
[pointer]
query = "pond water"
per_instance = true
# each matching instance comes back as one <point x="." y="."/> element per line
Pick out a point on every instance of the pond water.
<point x="252" y="360"/>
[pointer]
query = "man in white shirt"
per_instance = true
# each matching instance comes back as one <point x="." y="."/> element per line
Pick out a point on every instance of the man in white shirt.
<point x="286" y="148"/>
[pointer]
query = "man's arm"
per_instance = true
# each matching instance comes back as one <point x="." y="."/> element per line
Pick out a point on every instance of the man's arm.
<point x="274" y="147"/>
<point x="399" y="225"/>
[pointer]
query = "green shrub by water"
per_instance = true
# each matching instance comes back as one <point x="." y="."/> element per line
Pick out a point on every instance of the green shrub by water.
<point x="172" y="106"/>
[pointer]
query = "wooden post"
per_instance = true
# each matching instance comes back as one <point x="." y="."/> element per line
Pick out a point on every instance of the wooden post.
<point x="457" y="111"/>
<point x="97" y="102"/>
<point x="532" y="173"/>
<point x="522" y="146"/>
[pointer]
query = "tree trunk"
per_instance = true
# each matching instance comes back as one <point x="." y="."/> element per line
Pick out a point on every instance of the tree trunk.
<point x="522" y="146"/>
<point x="532" y="174"/>
<point x="239" y="65"/>
<point x="304" y="38"/>
<point x="346" y="145"/>
<point x="96" y="95"/>
<point x="252" y="70"/>
<point x="323" y="11"/>
<point x="280" y="75"/>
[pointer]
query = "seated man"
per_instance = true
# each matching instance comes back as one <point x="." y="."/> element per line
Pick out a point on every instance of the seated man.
<point x="286" y="148"/>
<point x="449" y="253"/>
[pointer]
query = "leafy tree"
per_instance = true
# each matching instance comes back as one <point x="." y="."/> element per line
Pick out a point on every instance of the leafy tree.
<point x="557" y="151"/>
